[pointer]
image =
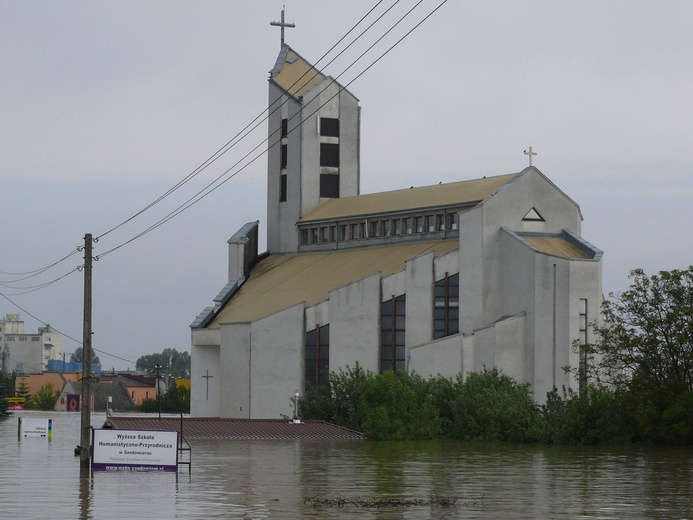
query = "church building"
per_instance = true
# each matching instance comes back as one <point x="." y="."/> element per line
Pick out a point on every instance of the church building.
<point x="435" y="280"/>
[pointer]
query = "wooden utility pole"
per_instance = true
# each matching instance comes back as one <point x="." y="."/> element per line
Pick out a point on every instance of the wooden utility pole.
<point x="85" y="438"/>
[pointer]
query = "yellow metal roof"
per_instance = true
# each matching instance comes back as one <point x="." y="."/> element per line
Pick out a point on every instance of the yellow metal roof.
<point x="409" y="199"/>
<point x="296" y="75"/>
<point x="282" y="281"/>
<point x="556" y="246"/>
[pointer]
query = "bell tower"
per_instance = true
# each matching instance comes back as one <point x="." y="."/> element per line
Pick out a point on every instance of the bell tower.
<point x="313" y="144"/>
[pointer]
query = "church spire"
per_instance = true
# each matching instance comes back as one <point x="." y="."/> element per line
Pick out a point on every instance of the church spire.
<point x="283" y="24"/>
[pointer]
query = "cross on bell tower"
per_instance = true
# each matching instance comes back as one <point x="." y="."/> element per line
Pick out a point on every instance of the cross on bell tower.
<point x="283" y="24"/>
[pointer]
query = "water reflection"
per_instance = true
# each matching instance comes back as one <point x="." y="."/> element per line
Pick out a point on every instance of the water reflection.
<point x="262" y="479"/>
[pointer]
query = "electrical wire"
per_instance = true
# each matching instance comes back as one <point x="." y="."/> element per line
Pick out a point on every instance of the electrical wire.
<point x="211" y="187"/>
<point x="217" y="182"/>
<point x="33" y="288"/>
<point x="243" y="133"/>
<point x="30" y="274"/>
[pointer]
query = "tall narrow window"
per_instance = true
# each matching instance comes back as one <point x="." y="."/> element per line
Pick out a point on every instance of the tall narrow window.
<point x="329" y="155"/>
<point x="285" y="127"/>
<point x="329" y="127"/>
<point x="329" y="185"/>
<point x="446" y="311"/>
<point x="318" y="355"/>
<point x="285" y="156"/>
<point x="582" y="370"/>
<point x="392" y="329"/>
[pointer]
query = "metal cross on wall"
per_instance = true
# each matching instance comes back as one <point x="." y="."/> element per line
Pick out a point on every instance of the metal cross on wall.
<point x="530" y="153"/>
<point x="207" y="377"/>
<point x="282" y="24"/>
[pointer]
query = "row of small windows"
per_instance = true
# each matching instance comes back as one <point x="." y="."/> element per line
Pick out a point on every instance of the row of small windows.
<point x="379" y="228"/>
<point x="392" y="331"/>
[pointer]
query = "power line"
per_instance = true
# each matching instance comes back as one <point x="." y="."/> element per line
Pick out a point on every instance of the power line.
<point x="217" y="182"/>
<point x="243" y="133"/>
<point x="30" y="274"/>
<point x="32" y="288"/>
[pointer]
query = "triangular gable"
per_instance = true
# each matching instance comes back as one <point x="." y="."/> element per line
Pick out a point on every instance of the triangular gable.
<point x="533" y="216"/>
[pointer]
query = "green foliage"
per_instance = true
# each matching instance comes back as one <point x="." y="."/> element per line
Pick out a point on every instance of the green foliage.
<point x="597" y="416"/>
<point x="175" y="400"/>
<point x="173" y="362"/>
<point x="491" y="406"/>
<point x="22" y="389"/>
<point x="76" y="356"/>
<point x="392" y="410"/>
<point x="645" y="348"/>
<point x="5" y="391"/>
<point x="339" y="401"/>
<point x="44" y="399"/>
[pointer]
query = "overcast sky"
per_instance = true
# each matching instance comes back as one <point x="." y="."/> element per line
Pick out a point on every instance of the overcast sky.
<point x="107" y="105"/>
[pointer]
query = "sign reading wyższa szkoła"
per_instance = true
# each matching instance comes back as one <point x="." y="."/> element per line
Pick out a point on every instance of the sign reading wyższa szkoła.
<point x="135" y="450"/>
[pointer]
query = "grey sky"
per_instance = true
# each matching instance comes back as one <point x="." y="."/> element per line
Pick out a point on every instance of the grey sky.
<point x="106" y="105"/>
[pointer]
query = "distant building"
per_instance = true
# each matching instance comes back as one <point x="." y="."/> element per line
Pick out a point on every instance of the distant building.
<point x="24" y="353"/>
<point x="441" y="279"/>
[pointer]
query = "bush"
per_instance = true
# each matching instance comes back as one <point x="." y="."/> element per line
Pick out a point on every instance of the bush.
<point x="392" y="410"/>
<point x="597" y="416"/>
<point x="491" y="406"/>
<point x="44" y="399"/>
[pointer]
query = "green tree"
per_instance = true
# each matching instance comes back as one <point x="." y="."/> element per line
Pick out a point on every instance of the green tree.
<point x="5" y="391"/>
<point x="645" y="347"/>
<point x="76" y="356"/>
<point x="45" y="398"/>
<point x="175" y="400"/>
<point x="22" y="389"/>
<point x="170" y="360"/>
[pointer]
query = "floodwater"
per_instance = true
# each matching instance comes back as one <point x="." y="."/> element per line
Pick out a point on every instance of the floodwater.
<point x="267" y="479"/>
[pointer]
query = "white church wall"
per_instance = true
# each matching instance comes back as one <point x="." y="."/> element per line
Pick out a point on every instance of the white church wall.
<point x="510" y="347"/>
<point x="393" y="285"/>
<point x="276" y="361"/>
<point x="202" y="359"/>
<point x="547" y="366"/>
<point x="235" y="371"/>
<point x="484" y="349"/>
<point x="519" y="296"/>
<point x="448" y="263"/>
<point x="507" y="208"/>
<point x="419" y="306"/>
<point x="349" y="144"/>
<point x="317" y="315"/>
<point x="441" y="357"/>
<point x="472" y="286"/>
<point x="282" y="235"/>
<point x="355" y="325"/>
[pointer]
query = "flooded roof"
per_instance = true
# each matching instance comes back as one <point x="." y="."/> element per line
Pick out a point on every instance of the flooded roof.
<point x="237" y="429"/>
<point x="282" y="281"/>
<point x="449" y="194"/>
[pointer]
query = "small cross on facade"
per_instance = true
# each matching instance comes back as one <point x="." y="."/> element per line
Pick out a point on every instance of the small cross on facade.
<point x="282" y="24"/>
<point x="207" y="377"/>
<point x="530" y="153"/>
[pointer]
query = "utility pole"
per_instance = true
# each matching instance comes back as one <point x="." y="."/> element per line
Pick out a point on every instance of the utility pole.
<point x="85" y="438"/>
<point x="157" y="371"/>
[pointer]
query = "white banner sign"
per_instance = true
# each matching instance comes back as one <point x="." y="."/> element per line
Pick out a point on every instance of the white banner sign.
<point x="135" y="450"/>
<point x="32" y="427"/>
